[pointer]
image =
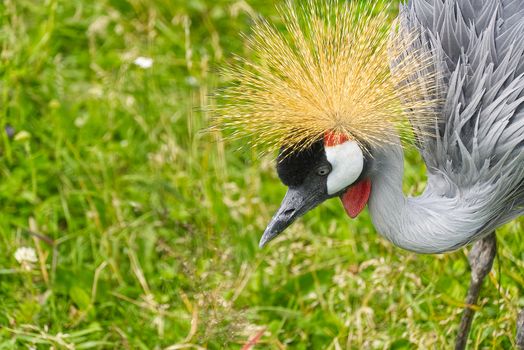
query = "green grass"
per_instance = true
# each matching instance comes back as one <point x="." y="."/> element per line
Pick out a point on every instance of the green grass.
<point x="146" y="229"/>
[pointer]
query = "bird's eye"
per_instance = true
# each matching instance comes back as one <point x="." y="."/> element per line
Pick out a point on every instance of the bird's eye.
<point x="323" y="170"/>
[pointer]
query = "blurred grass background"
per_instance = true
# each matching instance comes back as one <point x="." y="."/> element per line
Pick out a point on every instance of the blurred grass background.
<point x="146" y="229"/>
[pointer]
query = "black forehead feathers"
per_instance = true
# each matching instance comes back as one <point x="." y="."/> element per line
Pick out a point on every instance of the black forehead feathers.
<point x="294" y="166"/>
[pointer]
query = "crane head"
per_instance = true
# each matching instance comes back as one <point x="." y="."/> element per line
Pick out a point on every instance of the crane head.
<point x="331" y="167"/>
<point x="332" y="68"/>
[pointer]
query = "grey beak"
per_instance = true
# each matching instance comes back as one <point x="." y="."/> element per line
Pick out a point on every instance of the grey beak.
<point x="296" y="203"/>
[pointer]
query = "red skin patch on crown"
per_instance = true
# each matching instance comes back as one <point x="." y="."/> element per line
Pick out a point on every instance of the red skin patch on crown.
<point x="356" y="198"/>
<point x="332" y="139"/>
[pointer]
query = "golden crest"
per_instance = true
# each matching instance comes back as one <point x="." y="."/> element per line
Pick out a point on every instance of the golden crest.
<point x="336" y="67"/>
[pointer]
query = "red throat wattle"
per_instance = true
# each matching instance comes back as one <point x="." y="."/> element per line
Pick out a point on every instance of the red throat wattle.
<point x="356" y="198"/>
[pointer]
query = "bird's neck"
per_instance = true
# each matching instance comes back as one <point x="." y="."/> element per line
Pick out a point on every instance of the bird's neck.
<point x="417" y="224"/>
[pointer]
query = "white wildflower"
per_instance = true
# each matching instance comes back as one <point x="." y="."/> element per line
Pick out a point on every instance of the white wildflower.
<point x="144" y="62"/>
<point x="26" y="257"/>
<point x="192" y="81"/>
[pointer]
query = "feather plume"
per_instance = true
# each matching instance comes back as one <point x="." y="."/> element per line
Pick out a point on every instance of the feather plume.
<point x="329" y="70"/>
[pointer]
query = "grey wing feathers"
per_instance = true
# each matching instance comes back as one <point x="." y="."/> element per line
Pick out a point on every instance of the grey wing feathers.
<point x="477" y="151"/>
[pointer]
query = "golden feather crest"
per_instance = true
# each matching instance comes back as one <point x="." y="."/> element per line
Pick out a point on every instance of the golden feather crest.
<point x="329" y="70"/>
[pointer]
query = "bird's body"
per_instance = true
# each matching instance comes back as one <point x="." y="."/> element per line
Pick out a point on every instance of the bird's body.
<point x="475" y="155"/>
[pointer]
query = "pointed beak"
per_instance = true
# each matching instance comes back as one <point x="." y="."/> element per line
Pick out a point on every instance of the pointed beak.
<point x="296" y="203"/>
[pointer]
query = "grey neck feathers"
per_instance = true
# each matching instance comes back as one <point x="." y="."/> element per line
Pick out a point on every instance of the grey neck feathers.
<point x="427" y="224"/>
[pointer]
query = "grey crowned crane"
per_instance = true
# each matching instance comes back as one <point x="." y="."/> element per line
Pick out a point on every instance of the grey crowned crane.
<point x="336" y="91"/>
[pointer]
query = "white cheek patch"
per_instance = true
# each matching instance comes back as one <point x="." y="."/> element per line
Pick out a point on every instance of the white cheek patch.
<point x="347" y="161"/>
